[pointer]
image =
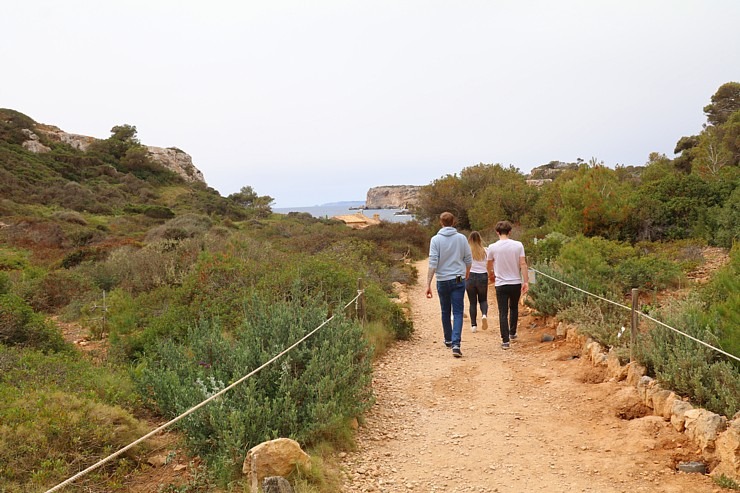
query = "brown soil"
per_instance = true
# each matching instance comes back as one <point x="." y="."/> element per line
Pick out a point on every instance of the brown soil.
<point x="534" y="418"/>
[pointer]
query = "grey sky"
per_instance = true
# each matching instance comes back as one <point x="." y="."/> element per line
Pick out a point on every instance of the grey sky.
<point x="315" y="102"/>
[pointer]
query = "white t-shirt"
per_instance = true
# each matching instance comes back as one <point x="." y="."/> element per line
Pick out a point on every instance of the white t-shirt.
<point x="505" y="255"/>
<point x="480" y="266"/>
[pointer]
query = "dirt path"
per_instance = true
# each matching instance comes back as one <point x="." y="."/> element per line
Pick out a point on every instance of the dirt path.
<point x="522" y="420"/>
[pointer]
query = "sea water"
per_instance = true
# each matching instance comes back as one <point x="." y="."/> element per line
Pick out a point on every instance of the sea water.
<point x="329" y="211"/>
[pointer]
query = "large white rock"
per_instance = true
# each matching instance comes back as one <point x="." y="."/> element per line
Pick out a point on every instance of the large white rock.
<point x="277" y="457"/>
<point x="728" y="451"/>
<point x="178" y="161"/>
<point x="703" y="427"/>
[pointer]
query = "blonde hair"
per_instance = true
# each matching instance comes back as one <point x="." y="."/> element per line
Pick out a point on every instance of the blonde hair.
<point x="476" y="246"/>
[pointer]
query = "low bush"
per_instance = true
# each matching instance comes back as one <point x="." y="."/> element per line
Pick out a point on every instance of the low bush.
<point x="721" y="302"/>
<point x="56" y="290"/>
<point x="601" y="321"/>
<point x="548" y="296"/>
<point x="45" y="437"/>
<point x="73" y="217"/>
<point x="306" y="395"/>
<point x="647" y="272"/>
<point x="180" y="227"/>
<point x="687" y="367"/>
<point x="59" y="414"/>
<point x="12" y="259"/>
<point x="21" y="326"/>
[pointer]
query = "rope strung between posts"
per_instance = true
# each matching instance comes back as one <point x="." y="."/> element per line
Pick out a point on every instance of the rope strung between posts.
<point x="642" y="315"/>
<point x="198" y="406"/>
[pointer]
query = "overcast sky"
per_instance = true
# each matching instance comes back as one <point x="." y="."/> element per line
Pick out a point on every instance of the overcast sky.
<point x="317" y="101"/>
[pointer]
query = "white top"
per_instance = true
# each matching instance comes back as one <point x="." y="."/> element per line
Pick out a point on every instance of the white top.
<point x="506" y="255"/>
<point x="480" y="266"/>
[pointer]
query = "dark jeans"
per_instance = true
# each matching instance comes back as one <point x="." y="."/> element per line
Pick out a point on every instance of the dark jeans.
<point x="451" y="300"/>
<point x="507" y="297"/>
<point x="477" y="289"/>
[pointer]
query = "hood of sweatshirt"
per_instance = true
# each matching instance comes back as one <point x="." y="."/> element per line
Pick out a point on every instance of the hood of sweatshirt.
<point x="447" y="231"/>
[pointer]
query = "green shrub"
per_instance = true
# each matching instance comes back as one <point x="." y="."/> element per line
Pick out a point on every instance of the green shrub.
<point x="5" y="284"/>
<point x="27" y="369"/>
<point x="546" y="249"/>
<point x="687" y="367"/>
<point x="57" y="289"/>
<point x="549" y="297"/>
<point x="11" y="259"/>
<point x="158" y="264"/>
<point x="601" y="321"/>
<point x="46" y="436"/>
<point x="59" y="412"/>
<point x="138" y="322"/>
<point x="73" y="217"/>
<point x="721" y="301"/>
<point x="21" y="326"/>
<point x="305" y="395"/>
<point x="181" y="227"/>
<point x="647" y="272"/>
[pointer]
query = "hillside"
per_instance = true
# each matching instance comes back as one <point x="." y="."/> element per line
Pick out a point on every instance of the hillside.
<point x="129" y="290"/>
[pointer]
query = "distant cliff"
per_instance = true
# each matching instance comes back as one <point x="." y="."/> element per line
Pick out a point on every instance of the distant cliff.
<point x="392" y="197"/>
<point x="171" y="158"/>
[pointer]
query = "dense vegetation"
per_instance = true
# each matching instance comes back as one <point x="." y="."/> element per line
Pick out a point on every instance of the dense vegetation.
<point x="610" y="230"/>
<point x="191" y="290"/>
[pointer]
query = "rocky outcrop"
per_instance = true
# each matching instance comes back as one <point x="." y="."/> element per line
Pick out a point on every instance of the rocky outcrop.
<point x="79" y="142"/>
<point x="177" y="161"/>
<point x="547" y="172"/>
<point x="171" y="158"/>
<point x="716" y="436"/>
<point x="392" y="197"/>
<point x="33" y="144"/>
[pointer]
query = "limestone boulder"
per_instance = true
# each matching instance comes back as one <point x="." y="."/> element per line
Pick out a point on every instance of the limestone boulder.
<point x="704" y="427"/>
<point x="728" y="451"/>
<point x="643" y="385"/>
<point x="614" y="367"/>
<point x="635" y="372"/>
<point x="277" y="457"/>
<point x="662" y="402"/>
<point x="678" y="414"/>
<point x="178" y="161"/>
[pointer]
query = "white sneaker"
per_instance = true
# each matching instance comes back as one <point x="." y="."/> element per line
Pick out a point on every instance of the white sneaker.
<point x="484" y="322"/>
<point x="473" y="328"/>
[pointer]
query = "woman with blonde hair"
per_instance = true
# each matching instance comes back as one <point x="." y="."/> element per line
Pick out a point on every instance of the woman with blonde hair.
<point x="477" y="285"/>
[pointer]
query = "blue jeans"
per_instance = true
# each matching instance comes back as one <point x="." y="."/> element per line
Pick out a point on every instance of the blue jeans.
<point x="451" y="300"/>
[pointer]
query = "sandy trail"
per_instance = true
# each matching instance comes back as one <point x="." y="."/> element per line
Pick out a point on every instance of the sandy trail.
<point x="512" y="421"/>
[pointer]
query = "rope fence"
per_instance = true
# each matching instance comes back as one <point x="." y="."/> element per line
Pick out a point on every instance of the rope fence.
<point x="636" y="313"/>
<point x="359" y="303"/>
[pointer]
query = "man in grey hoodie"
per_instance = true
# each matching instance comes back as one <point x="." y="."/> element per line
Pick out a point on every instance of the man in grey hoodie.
<point x="450" y="259"/>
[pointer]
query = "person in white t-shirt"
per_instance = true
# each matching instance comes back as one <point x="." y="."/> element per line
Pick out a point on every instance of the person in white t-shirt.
<point x="508" y="267"/>
<point x="477" y="285"/>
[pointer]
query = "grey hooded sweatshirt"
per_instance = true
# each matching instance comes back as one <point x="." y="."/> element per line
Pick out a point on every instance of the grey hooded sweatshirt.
<point x="449" y="254"/>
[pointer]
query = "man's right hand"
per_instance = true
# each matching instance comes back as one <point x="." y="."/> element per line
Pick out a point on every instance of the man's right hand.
<point x="429" y="292"/>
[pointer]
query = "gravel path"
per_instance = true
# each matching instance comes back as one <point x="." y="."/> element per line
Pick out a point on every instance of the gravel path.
<point x="522" y="420"/>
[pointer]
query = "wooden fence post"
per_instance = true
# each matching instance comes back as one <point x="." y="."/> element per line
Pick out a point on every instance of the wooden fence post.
<point x="633" y="331"/>
<point x="361" y="301"/>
